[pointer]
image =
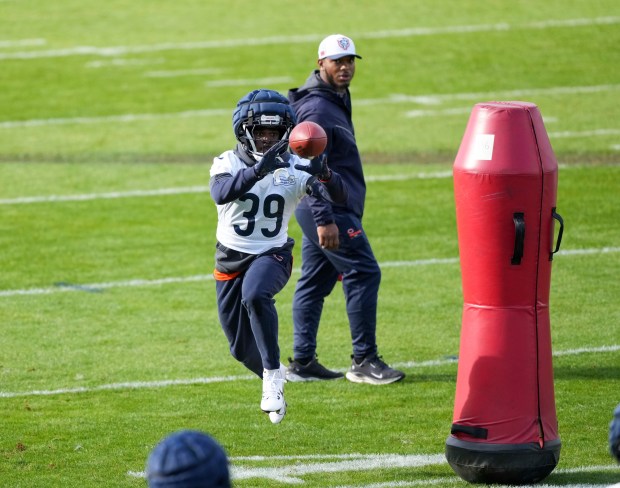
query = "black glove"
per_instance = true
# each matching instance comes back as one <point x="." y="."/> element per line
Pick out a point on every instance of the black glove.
<point x="270" y="160"/>
<point x="317" y="167"/>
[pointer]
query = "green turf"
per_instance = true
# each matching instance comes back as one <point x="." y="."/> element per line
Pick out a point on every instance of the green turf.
<point x="119" y="340"/>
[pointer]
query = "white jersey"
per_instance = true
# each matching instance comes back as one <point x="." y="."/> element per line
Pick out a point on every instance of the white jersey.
<point x="258" y="220"/>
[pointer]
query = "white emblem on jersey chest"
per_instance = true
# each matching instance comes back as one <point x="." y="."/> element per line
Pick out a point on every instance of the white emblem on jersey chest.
<point x="281" y="176"/>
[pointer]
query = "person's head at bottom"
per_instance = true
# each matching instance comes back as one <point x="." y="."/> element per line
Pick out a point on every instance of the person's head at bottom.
<point x="614" y="434"/>
<point x="188" y="459"/>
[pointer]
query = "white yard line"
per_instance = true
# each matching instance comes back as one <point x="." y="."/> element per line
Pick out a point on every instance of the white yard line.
<point x="453" y="479"/>
<point x="249" y="81"/>
<point x="183" y="72"/>
<point x="129" y="385"/>
<point x="437" y="99"/>
<point x="104" y="196"/>
<point x="141" y="282"/>
<point x="137" y="385"/>
<point x="302" y="39"/>
<point x="215" y="112"/>
<point x="441" y="481"/>
<point x="22" y="43"/>
<point x="292" y="472"/>
<point x="584" y="133"/>
<point x="415" y="114"/>
<point x="123" y="62"/>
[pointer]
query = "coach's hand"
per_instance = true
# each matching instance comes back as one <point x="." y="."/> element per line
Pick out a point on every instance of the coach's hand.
<point x="328" y="236"/>
<point x="271" y="160"/>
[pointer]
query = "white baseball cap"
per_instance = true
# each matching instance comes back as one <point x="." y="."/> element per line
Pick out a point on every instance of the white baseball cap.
<point x="337" y="46"/>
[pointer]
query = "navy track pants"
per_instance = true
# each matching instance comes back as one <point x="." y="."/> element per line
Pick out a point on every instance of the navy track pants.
<point x="320" y="270"/>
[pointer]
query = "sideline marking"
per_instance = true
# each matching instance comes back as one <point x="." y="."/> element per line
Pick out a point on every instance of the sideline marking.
<point x="299" y="39"/>
<point x="135" y="385"/>
<point x="73" y="287"/>
<point x="399" y="99"/>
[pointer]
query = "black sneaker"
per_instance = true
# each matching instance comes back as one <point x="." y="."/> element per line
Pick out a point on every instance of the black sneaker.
<point x="313" y="371"/>
<point x="374" y="371"/>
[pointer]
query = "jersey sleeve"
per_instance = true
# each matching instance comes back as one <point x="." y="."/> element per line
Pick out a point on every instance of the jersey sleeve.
<point x="229" y="180"/>
<point x="221" y="164"/>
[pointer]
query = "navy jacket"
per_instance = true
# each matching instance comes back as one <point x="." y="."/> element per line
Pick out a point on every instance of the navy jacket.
<point x="318" y="102"/>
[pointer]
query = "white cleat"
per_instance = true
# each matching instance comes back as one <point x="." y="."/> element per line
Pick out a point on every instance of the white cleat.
<point x="273" y="391"/>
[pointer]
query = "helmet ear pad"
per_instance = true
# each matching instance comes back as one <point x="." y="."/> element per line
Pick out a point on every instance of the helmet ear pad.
<point x="261" y="107"/>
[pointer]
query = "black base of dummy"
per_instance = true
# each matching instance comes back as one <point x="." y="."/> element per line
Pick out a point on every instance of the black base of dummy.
<point x="508" y="464"/>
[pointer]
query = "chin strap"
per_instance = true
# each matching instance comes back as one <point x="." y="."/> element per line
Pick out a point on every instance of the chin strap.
<point x="256" y="155"/>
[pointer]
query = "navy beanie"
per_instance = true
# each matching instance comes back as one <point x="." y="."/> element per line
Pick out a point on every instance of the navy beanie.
<point x="614" y="434"/>
<point x="188" y="459"/>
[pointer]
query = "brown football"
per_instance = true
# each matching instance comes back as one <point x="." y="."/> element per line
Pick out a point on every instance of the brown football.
<point x="308" y="139"/>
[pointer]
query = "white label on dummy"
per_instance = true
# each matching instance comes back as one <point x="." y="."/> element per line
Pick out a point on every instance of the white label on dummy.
<point x="483" y="147"/>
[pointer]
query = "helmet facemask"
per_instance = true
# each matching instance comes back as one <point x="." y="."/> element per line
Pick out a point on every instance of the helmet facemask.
<point x="256" y="146"/>
<point x="264" y="109"/>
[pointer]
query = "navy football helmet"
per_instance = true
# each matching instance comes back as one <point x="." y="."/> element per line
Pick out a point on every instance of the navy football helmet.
<point x="262" y="108"/>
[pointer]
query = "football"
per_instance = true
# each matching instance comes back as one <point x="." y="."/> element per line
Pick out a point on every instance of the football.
<point x="308" y="139"/>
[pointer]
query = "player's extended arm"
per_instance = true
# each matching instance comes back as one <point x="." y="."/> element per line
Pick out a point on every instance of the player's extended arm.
<point x="226" y="188"/>
<point x="331" y="181"/>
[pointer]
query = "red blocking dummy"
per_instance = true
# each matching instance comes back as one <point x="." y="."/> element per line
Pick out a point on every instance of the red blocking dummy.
<point x="505" y="184"/>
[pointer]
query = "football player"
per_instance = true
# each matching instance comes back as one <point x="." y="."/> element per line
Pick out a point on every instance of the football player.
<point x="256" y="187"/>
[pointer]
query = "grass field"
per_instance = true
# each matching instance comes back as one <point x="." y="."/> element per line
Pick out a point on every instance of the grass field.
<point x="110" y="115"/>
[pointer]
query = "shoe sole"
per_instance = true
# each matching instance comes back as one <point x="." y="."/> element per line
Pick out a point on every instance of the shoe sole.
<point x="295" y="378"/>
<point x="277" y="417"/>
<point x="355" y="378"/>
